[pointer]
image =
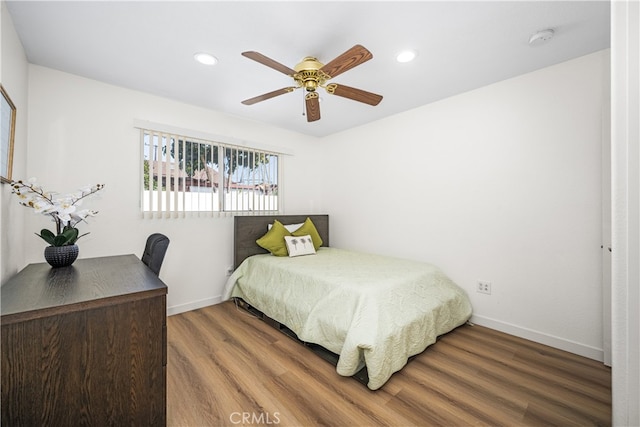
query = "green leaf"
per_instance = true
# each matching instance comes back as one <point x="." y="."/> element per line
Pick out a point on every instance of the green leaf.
<point x="67" y="237"/>
<point x="47" y="236"/>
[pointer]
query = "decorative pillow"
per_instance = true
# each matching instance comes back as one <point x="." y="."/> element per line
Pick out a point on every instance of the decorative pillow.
<point x="290" y="227"/>
<point x="299" y="245"/>
<point x="273" y="240"/>
<point x="309" y="228"/>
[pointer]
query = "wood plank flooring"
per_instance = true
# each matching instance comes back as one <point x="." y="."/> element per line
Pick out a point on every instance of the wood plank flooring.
<point x="227" y="368"/>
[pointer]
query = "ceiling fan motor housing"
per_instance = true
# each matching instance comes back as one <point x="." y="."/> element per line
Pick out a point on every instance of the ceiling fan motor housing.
<point x="308" y="74"/>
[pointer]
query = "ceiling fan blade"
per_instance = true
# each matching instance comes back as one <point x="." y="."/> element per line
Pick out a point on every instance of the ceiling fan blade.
<point x="313" y="106"/>
<point x="258" y="57"/>
<point x="355" y="94"/>
<point x="351" y="58"/>
<point x="269" y="95"/>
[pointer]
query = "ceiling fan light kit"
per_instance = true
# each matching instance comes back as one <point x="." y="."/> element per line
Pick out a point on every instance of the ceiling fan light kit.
<point x="311" y="74"/>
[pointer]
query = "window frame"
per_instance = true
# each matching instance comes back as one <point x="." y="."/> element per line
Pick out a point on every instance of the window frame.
<point x="166" y="201"/>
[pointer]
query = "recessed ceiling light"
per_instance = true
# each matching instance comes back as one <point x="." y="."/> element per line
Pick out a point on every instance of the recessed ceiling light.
<point x="205" y="58"/>
<point x="406" y="56"/>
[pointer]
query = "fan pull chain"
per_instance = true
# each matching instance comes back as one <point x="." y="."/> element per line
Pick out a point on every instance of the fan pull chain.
<point x="304" y="106"/>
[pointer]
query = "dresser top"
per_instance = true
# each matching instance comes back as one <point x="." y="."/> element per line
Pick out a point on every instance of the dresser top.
<point x="39" y="290"/>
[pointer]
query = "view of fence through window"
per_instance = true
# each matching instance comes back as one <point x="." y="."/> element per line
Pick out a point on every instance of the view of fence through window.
<point x="184" y="174"/>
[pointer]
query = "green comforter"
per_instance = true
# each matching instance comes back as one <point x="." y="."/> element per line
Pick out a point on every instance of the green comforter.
<point x="369" y="309"/>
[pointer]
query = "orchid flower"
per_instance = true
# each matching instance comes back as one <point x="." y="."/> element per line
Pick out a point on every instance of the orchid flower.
<point x="63" y="209"/>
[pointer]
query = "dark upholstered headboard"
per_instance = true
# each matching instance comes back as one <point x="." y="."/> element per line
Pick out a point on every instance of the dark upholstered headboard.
<point x="248" y="229"/>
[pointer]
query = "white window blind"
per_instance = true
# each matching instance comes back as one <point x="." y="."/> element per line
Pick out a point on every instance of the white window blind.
<point x="189" y="175"/>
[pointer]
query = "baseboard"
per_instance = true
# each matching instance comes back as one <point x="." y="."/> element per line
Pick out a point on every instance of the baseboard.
<point x="518" y="331"/>
<point x="539" y="337"/>
<point x="177" y="309"/>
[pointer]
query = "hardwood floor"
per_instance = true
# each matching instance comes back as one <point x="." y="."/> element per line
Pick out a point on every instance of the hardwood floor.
<point x="227" y="368"/>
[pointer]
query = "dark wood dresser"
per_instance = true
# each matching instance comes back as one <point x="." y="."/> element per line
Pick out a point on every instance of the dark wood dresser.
<point x="84" y="345"/>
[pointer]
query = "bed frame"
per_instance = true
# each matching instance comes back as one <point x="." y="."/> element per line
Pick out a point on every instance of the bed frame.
<point x="248" y="229"/>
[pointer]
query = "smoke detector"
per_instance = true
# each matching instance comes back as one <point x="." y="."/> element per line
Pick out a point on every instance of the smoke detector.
<point x="541" y="37"/>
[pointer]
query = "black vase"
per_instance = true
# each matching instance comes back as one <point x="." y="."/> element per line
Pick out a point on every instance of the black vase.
<point x="61" y="256"/>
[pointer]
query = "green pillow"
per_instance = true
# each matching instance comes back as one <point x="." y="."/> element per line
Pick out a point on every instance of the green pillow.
<point x="273" y="240"/>
<point x="310" y="229"/>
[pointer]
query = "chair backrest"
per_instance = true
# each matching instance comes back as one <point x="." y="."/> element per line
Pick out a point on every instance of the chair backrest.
<point x="154" y="251"/>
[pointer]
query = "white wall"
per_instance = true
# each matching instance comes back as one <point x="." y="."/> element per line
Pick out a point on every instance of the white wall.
<point x="81" y="131"/>
<point x="625" y="141"/>
<point x="13" y="75"/>
<point x="500" y="184"/>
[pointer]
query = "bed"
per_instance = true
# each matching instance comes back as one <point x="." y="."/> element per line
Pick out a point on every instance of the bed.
<point x="366" y="313"/>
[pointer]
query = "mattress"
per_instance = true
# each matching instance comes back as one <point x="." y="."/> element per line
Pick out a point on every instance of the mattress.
<point x="369" y="309"/>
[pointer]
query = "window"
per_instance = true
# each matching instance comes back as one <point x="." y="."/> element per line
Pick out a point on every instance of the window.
<point x="183" y="174"/>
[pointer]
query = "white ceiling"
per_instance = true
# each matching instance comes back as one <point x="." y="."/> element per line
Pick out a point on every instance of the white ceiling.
<point x="149" y="46"/>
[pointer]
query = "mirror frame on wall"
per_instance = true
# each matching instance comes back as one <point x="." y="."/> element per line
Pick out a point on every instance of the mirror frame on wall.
<point x="7" y="135"/>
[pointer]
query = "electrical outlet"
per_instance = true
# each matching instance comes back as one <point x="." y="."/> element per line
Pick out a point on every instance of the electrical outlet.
<point x="484" y="287"/>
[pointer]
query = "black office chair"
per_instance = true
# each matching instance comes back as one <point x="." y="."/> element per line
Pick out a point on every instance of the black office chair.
<point x="154" y="251"/>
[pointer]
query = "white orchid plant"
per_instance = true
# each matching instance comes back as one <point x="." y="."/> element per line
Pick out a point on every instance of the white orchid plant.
<point x="63" y="209"/>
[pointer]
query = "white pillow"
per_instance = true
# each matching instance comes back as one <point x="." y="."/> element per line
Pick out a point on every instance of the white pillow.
<point x="299" y="245"/>
<point x="291" y="227"/>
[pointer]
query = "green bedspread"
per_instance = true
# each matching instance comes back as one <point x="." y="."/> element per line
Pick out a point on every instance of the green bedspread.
<point x="369" y="309"/>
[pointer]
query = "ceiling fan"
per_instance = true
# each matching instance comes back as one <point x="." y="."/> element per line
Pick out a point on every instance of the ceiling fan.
<point x="311" y="74"/>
